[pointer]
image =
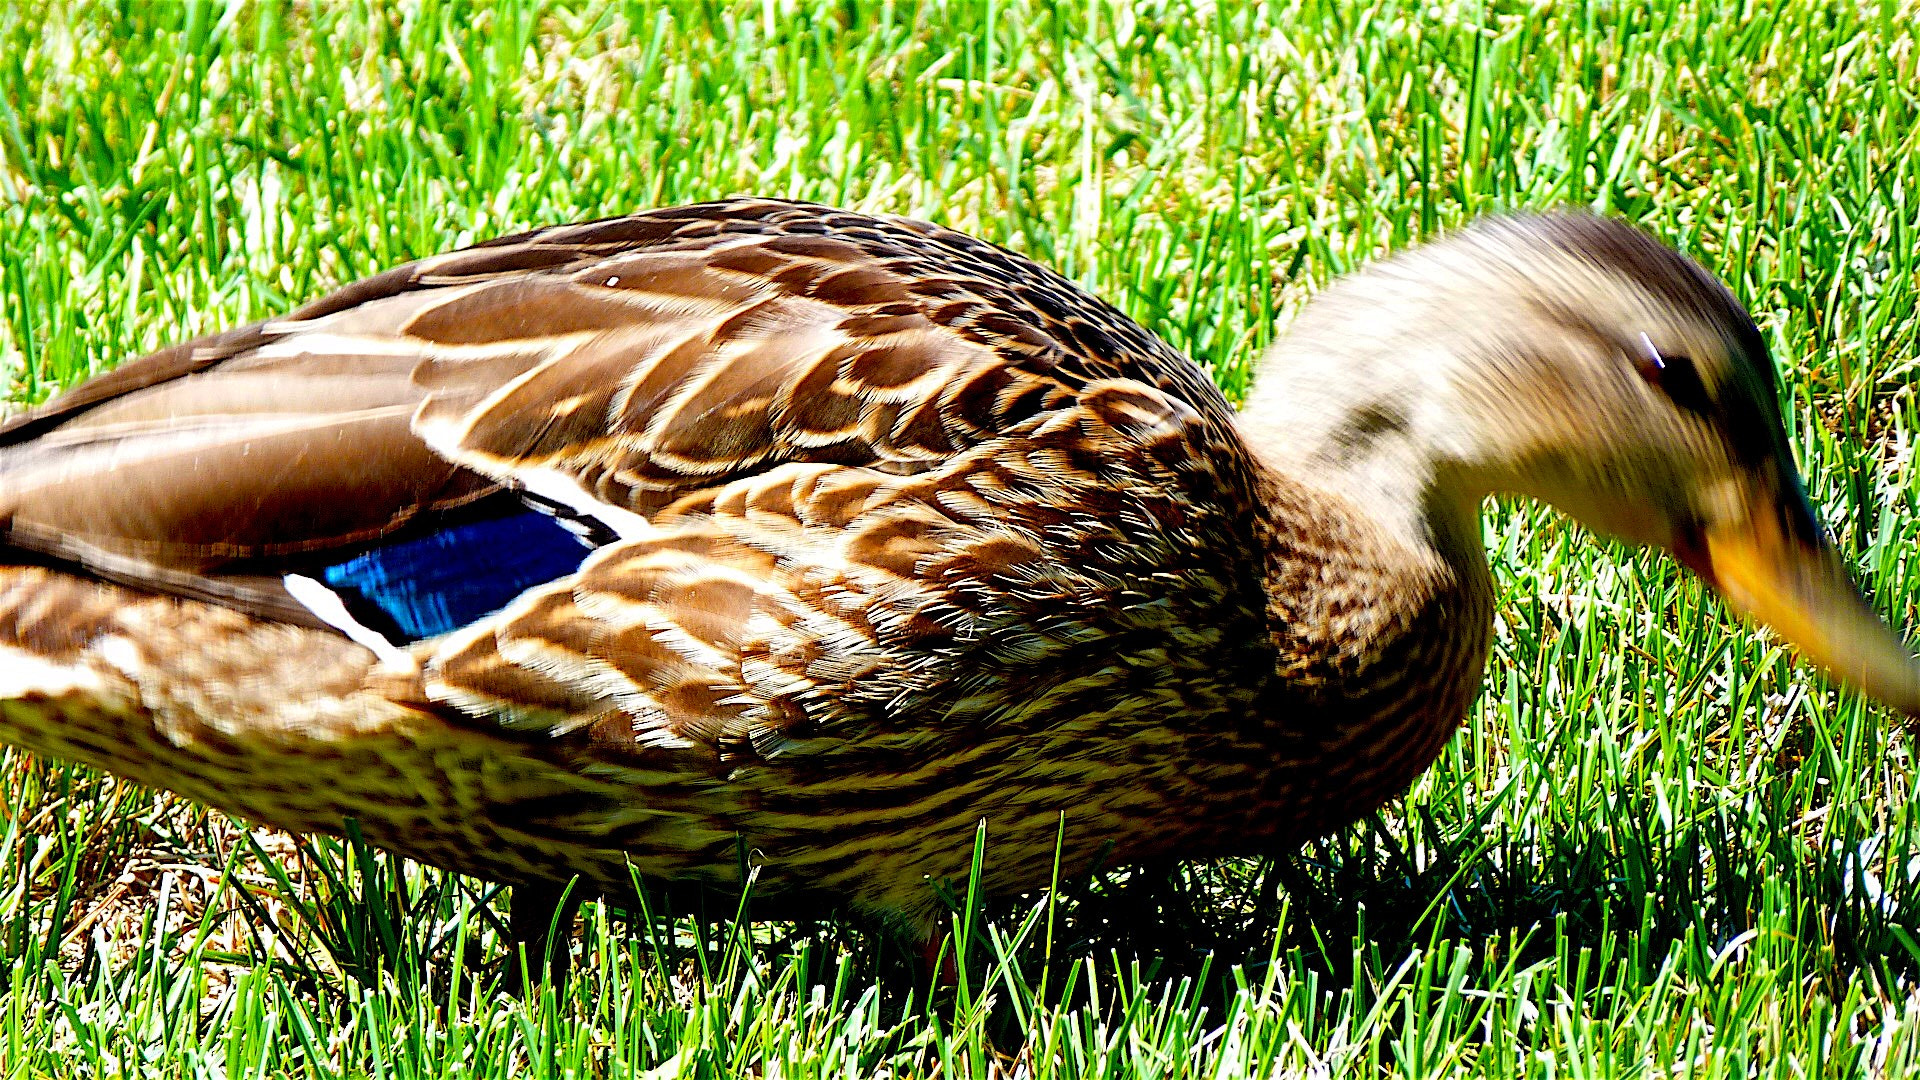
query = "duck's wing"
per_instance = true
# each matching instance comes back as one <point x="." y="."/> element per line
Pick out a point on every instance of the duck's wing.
<point x="612" y="367"/>
<point x="849" y="474"/>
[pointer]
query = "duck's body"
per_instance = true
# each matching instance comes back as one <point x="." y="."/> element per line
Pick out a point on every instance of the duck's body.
<point x="898" y="533"/>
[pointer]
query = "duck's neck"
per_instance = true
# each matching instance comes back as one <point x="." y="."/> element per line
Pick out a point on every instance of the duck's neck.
<point x="1379" y="607"/>
<point x="1388" y="392"/>
<point x="1383" y="470"/>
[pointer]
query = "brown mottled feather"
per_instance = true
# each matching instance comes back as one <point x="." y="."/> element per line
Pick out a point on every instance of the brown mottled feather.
<point x="910" y="534"/>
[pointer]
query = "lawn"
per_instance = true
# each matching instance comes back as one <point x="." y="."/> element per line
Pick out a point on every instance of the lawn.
<point x="1658" y="846"/>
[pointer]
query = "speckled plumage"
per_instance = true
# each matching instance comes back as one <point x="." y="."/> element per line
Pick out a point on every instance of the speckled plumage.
<point x="903" y="533"/>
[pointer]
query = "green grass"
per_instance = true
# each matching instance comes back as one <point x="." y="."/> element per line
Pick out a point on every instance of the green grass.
<point x="1658" y="846"/>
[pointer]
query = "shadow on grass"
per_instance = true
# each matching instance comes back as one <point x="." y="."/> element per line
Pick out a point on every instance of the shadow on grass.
<point x="1357" y="905"/>
<point x="1621" y="895"/>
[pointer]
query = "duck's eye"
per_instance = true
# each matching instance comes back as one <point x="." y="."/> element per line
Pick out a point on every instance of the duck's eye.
<point x="1674" y="375"/>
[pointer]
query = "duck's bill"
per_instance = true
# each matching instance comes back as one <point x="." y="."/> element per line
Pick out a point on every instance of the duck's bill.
<point x="1776" y="569"/>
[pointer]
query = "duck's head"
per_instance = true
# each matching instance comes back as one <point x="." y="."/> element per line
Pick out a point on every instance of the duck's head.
<point x="1574" y="359"/>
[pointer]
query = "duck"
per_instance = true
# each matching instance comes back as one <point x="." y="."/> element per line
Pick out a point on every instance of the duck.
<point x="758" y="541"/>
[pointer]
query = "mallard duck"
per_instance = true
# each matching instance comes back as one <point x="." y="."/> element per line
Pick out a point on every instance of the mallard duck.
<point x="758" y="537"/>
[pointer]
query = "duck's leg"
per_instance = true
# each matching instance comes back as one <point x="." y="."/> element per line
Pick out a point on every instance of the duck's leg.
<point x="535" y="950"/>
<point x="937" y="963"/>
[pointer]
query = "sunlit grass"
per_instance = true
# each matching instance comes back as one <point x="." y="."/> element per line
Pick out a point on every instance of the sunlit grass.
<point x="1658" y="842"/>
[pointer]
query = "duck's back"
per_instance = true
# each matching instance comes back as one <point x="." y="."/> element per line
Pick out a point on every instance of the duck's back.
<point x="882" y="530"/>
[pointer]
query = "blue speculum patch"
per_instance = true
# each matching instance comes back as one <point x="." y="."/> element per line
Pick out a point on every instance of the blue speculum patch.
<point x="436" y="584"/>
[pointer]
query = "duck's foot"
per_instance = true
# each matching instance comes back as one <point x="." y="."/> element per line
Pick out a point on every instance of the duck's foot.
<point x="939" y="967"/>
<point x="540" y="932"/>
